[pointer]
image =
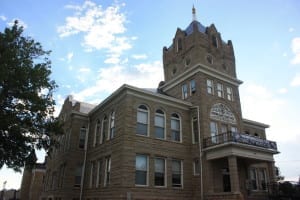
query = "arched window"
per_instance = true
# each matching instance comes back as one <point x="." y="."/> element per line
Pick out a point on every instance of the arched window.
<point x="112" y="125"/>
<point x="142" y="120"/>
<point x="159" y="124"/>
<point x="104" y="129"/>
<point x="215" y="41"/>
<point x="222" y="113"/>
<point x="82" y="135"/>
<point x="175" y="127"/>
<point x="97" y="133"/>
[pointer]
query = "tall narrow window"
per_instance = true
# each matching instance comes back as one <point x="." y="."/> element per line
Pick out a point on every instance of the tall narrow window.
<point x="107" y="171"/>
<point x="233" y="129"/>
<point x="184" y="91"/>
<point x="176" y="173"/>
<point x="210" y="86"/>
<point x="91" y="174"/>
<point x="104" y="129"/>
<point x="112" y="125"/>
<point x="214" y="41"/>
<point x="142" y="120"/>
<point x="99" y="173"/>
<point x="220" y="90"/>
<point x="179" y="44"/>
<point x="192" y="87"/>
<point x="195" y="130"/>
<point x="253" y="179"/>
<point x="229" y="93"/>
<point x="196" y="167"/>
<point x="82" y="136"/>
<point x="141" y="170"/>
<point x="159" y="123"/>
<point x="97" y="133"/>
<point x="78" y="173"/>
<point x="159" y="175"/>
<point x="262" y="179"/>
<point x="175" y="128"/>
<point x="213" y="131"/>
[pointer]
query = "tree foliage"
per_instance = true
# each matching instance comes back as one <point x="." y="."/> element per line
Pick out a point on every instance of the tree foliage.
<point x="26" y="99"/>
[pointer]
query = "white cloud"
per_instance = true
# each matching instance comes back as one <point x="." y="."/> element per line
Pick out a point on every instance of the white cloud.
<point x="70" y="56"/>
<point x="146" y="75"/>
<point x="3" y="18"/>
<point x="260" y="104"/>
<point x="139" y="56"/>
<point x="296" y="50"/>
<point x="102" y="29"/>
<point x="282" y="91"/>
<point x="296" y="81"/>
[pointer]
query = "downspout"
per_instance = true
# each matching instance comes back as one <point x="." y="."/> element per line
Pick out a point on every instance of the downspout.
<point x="84" y="160"/>
<point x="200" y="152"/>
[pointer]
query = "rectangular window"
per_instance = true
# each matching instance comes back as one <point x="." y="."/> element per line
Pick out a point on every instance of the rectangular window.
<point x="220" y="90"/>
<point x="107" y="171"/>
<point x="78" y="173"/>
<point x="253" y="179"/>
<point x="82" y="136"/>
<point x="195" y="130"/>
<point x="262" y="179"/>
<point x="142" y="122"/>
<point x="224" y="131"/>
<point x="229" y="94"/>
<point x="213" y="131"/>
<point x="99" y="172"/>
<point x="192" y="87"/>
<point x="141" y="170"/>
<point x="176" y="173"/>
<point x="196" y="167"/>
<point x="160" y="168"/>
<point x="91" y="174"/>
<point x="184" y="91"/>
<point x="159" y="123"/>
<point x="233" y="129"/>
<point x="210" y="86"/>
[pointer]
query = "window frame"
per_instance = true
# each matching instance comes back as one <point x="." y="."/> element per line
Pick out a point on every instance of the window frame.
<point x="195" y="167"/>
<point x="229" y="92"/>
<point x="195" y="134"/>
<point x="162" y="115"/>
<point x="210" y="86"/>
<point x="107" y="171"/>
<point x="184" y="91"/>
<point x="104" y="129"/>
<point x="164" y="172"/>
<point x="192" y="87"/>
<point x="181" y="174"/>
<point x="178" y="120"/>
<point x="82" y="138"/>
<point x="112" y="123"/>
<point x="220" y="90"/>
<point x="147" y="124"/>
<point x="99" y="173"/>
<point x="147" y="170"/>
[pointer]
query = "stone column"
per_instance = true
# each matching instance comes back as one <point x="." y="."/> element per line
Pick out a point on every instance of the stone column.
<point x="271" y="170"/>
<point x="234" y="174"/>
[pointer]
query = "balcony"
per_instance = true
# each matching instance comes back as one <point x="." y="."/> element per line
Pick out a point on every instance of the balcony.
<point x="238" y="139"/>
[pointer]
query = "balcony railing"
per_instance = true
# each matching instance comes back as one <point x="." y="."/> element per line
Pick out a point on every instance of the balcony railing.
<point x="233" y="137"/>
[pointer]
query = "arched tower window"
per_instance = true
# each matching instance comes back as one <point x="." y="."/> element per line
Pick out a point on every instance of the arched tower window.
<point x="215" y="41"/>
<point x="179" y="44"/>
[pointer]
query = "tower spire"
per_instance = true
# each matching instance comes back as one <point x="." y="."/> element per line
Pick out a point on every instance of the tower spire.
<point x="194" y="13"/>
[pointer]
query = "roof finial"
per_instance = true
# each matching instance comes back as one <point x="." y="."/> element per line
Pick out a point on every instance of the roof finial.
<point x="194" y="13"/>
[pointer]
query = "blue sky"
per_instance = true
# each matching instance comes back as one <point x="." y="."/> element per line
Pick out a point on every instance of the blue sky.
<point x="99" y="45"/>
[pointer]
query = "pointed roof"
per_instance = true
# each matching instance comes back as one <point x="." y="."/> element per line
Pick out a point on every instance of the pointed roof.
<point x="195" y="24"/>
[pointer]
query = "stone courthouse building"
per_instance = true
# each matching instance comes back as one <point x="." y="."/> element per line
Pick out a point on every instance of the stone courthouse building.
<point x="186" y="139"/>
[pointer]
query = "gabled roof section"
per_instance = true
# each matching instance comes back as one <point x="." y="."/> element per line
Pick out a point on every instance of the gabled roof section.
<point x="195" y="24"/>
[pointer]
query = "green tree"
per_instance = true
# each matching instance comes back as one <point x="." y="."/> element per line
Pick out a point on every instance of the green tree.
<point x="26" y="99"/>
